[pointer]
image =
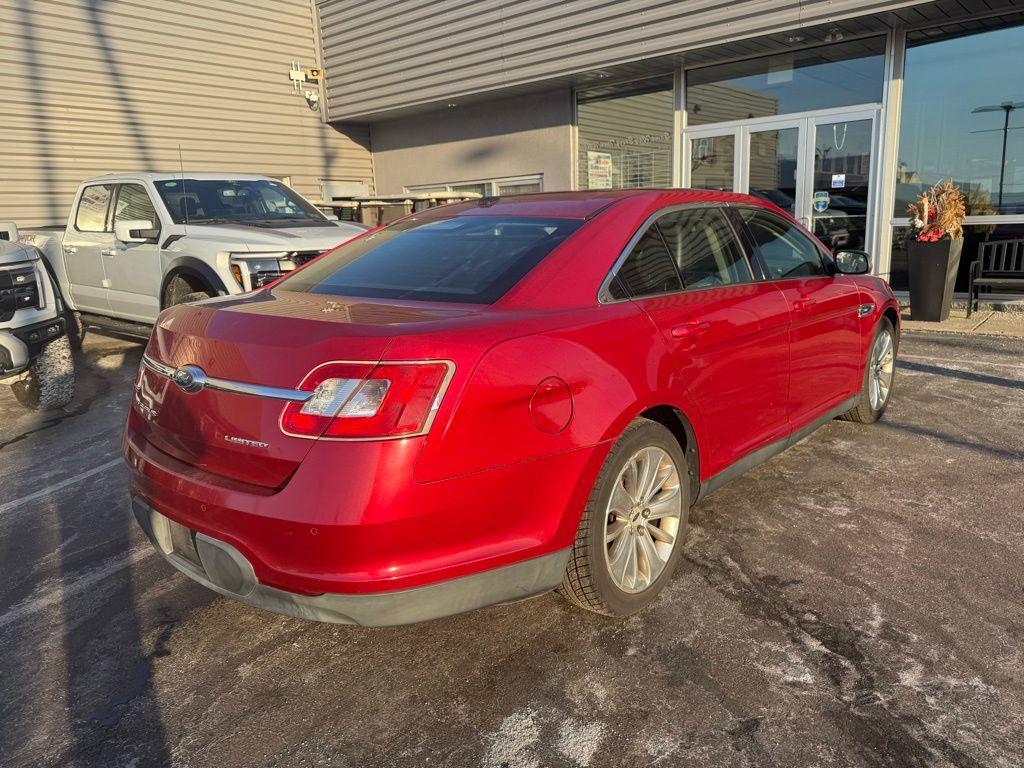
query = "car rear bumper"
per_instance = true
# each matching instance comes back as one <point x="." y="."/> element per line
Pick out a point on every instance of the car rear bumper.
<point x="352" y="523"/>
<point x="219" y="566"/>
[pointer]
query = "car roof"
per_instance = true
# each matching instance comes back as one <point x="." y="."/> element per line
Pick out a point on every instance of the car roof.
<point x="580" y="205"/>
<point x="150" y="176"/>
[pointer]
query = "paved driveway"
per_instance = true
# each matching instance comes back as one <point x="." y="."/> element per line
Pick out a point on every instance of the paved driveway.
<point x="856" y="601"/>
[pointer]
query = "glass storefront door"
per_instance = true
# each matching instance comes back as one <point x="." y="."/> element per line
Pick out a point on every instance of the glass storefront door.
<point x="817" y="166"/>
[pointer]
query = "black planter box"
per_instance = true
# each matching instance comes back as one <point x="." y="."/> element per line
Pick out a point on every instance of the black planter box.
<point x="932" y="268"/>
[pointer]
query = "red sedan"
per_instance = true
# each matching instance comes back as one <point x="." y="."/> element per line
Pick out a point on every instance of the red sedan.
<point x="490" y="400"/>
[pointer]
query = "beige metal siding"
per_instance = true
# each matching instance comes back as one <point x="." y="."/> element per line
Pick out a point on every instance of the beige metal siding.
<point x="89" y="88"/>
<point x="381" y="56"/>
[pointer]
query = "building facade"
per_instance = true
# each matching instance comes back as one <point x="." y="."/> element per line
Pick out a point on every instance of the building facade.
<point x="839" y="111"/>
<point x="90" y="87"/>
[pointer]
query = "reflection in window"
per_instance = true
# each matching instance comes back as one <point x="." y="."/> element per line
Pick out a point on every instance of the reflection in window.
<point x="953" y="123"/>
<point x="836" y="75"/>
<point x="711" y="162"/>
<point x="625" y="135"/>
<point x="974" y="236"/>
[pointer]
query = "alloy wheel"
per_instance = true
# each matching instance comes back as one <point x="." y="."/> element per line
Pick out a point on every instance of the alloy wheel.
<point x="642" y="519"/>
<point x="882" y="366"/>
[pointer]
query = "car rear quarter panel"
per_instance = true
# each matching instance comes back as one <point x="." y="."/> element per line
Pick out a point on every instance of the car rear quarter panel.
<point x="613" y="366"/>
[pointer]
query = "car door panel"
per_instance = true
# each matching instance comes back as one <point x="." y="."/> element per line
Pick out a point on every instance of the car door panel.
<point x="726" y="332"/>
<point x="87" y="235"/>
<point x="732" y="348"/>
<point x="824" y="331"/>
<point x="825" y="344"/>
<point x="133" y="269"/>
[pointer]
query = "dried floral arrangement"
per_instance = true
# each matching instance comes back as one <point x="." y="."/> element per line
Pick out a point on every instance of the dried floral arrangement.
<point x="939" y="213"/>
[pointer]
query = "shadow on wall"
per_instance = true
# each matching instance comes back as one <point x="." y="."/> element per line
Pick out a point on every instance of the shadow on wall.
<point x="41" y="116"/>
<point x="94" y="11"/>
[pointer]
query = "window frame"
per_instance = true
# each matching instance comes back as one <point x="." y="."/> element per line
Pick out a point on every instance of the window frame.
<point x="115" y="198"/>
<point x="824" y="256"/>
<point x="743" y="241"/>
<point x="493" y="185"/>
<point x="108" y="216"/>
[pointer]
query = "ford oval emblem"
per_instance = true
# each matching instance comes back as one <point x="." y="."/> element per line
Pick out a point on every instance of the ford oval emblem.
<point x="190" y="378"/>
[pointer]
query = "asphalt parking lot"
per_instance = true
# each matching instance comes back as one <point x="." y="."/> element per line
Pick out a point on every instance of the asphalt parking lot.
<point x="856" y="601"/>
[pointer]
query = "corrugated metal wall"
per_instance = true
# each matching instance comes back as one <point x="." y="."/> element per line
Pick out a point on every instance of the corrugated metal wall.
<point x="92" y="86"/>
<point x="382" y="56"/>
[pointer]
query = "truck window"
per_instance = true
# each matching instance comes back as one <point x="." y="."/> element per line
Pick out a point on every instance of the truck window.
<point x="92" y="208"/>
<point x="133" y="203"/>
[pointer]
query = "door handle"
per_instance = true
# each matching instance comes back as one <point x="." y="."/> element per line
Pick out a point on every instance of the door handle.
<point x="803" y="304"/>
<point x="689" y="330"/>
<point x="70" y="249"/>
<point x="109" y="252"/>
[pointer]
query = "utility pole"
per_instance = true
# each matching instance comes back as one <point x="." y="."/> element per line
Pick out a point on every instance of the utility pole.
<point x="1006" y="108"/>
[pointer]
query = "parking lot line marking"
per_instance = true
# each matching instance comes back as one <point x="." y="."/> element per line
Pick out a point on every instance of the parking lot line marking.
<point x="8" y="506"/>
<point x="63" y="590"/>
<point x="929" y="358"/>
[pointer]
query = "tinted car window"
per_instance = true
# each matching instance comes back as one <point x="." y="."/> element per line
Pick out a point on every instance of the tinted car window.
<point x="704" y="247"/>
<point x="647" y="270"/>
<point x="257" y="202"/>
<point x="92" y="208"/>
<point x="786" y="251"/>
<point x="473" y="259"/>
<point x="133" y="203"/>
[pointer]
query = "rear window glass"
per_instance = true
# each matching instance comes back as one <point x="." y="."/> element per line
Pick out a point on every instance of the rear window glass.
<point x="471" y="259"/>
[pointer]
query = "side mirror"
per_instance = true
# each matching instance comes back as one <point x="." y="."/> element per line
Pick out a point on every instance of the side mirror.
<point x="135" y="231"/>
<point x="9" y="231"/>
<point x="852" y="262"/>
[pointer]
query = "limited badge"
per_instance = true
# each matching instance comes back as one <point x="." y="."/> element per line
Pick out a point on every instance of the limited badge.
<point x="820" y="201"/>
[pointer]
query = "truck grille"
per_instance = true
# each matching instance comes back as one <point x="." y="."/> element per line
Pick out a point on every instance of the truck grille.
<point x="301" y="257"/>
<point x="18" y="290"/>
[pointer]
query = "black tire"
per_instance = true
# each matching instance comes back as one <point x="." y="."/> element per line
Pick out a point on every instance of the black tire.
<point x="588" y="582"/>
<point x="75" y="329"/>
<point x="180" y="291"/>
<point x="50" y="381"/>
<point x="864" y="412"/>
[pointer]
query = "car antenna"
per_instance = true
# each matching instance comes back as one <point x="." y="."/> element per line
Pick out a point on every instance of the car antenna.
<point x="184" y="191"/>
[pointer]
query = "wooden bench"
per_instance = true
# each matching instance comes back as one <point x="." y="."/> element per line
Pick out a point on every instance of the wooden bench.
<point x="999" y="267"/>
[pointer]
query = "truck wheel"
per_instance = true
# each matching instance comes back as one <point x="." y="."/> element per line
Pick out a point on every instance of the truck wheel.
<point x="50" y="382"/>
<point x="180" y="291"/>
<point x="76" y="329"/>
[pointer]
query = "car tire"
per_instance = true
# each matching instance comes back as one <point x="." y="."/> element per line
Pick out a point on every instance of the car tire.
<point x="50" y="381"/>
<point x="880" y="367"/>
<point x="616" y="531"/>
<point x="180" y="291"/>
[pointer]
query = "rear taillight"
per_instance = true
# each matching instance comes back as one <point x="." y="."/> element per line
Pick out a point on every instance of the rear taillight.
<point x="367" y="401"/>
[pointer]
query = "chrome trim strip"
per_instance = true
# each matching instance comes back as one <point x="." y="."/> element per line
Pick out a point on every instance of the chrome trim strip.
<point x="234" y="387"/>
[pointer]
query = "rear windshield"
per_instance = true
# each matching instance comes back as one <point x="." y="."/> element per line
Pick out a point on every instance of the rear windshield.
<point x="471" y="259"/>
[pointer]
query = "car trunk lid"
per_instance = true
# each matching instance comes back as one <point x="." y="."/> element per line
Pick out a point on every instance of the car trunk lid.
<point x="264" y="340"/>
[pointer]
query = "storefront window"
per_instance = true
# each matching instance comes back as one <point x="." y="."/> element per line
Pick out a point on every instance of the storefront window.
<point x="974" y="236"/>
<point x="963" y="102"/>
<point x="625" y="135"/>
<point x="836" y="75"/>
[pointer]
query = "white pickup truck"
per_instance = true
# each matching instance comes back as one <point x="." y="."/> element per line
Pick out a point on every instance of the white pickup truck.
<point x="136" y="243"/>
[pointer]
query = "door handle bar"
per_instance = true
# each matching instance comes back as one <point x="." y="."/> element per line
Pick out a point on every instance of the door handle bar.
<point x="689" y="329"/>
<point x="802" y="305"/>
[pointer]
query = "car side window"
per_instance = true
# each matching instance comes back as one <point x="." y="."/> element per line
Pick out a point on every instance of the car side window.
<point x="134" y="203"/>
<point x="786" y="251"/>
<point x="704" y="247"/>
<point x="647" y="270"/>
<point x="91" y="215"/>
